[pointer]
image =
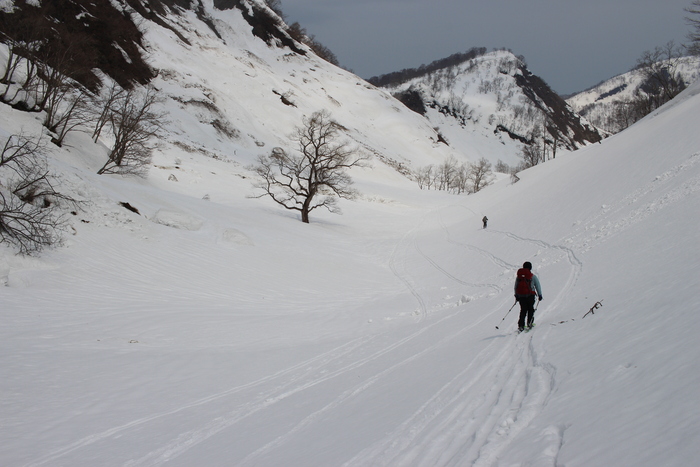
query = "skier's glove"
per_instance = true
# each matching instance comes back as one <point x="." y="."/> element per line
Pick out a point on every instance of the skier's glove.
<point x="540" y="297"/>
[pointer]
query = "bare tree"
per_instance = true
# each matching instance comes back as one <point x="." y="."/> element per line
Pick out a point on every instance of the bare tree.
<point x="624" y="114"/>
<point x="662" y="79"/>
<point x="276" y="6"/>
<point x="12" y="61"/>
<point x="502" y="167"/>
<point x="479" y="174"/>
<point x="300" y="34"/>
<point x="550" y="134"/>
<point x="57" y="62"/>
<point x="135" y="124"/>
<point x="445" y="174"/>
<point x="424" y="177"/>
<point x="64" y="100"/>
<point x="531" y="154"/>
<point x="454" y="177"/>
<point x="460" y="179"/>
<point x="321" y="50"/>
<point x="24" y="95"/>
<point x="23" y="39"/>
<point x="514" y="175"/>
<point x="30" y="214"/>
<point x="107" y="103"/>
<point x="317" y="176"/>
<point x="693" y="20"/>
<point x="76" y="113"/>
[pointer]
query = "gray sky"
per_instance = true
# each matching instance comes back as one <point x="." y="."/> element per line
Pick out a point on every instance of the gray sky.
<point x="571" y="44"/>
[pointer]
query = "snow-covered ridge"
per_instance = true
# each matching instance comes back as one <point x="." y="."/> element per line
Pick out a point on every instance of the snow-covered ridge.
<point x="623" y="86"/>
<point x="260" y="93"/>
<point x="493" y="100"/>
<point x="598" y="103"/>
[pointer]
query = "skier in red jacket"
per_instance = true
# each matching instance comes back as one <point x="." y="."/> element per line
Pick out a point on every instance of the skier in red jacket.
<point x="527" y="288"/>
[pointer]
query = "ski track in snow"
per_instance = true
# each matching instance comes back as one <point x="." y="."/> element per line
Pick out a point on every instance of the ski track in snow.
<point x="398" y="265"/>
<point x="450" y="429"/>
<point x="490" y="256"/>
<point x="523" y="382"/>
<point x="472" y="418"/>
<point x="574" y="262"/>
<point x="399" y="268"/>
<point x="434" y="264"/>
<point x="358" y="388"/>
<point x="296" y="372"/>
<point x="286" y="389"/>
<point x="594" y="234"/>
<point x="513" y="385"/>
<point x="402" y="274"/>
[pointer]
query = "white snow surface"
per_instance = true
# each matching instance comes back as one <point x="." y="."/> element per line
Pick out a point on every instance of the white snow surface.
<point x="213" y="329"/>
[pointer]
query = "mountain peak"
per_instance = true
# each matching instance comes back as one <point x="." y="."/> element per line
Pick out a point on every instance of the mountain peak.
<point x="494" y="94"/>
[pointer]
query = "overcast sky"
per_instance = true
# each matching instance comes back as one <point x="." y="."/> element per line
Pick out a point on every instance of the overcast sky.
<point x="571" y="44"/>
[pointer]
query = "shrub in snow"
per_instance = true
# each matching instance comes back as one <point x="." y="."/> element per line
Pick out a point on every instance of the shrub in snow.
<point x="30" y="213"/>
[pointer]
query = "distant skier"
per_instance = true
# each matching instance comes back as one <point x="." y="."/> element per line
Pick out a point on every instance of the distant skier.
<point x="485" y="221"/>
<point x="527" y="288"/>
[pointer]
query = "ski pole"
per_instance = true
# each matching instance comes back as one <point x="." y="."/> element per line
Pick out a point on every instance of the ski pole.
<point x="516" y="301"/>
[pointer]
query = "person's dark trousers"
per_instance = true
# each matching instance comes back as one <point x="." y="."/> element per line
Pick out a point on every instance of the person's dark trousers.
<point x="527" y="309"/>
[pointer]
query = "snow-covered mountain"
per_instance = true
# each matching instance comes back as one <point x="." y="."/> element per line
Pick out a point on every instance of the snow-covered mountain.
<point x="229" y="76"/>
<point x="598" y="104"/>
<point x="212" y="328"/>
<point x="228" y="65"/>
<point x="490" y="105"/>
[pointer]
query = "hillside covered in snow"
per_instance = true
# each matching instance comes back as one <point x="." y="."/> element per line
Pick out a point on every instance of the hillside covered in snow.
<point x="184" y="321"/>
<point x="604" y="104"/>
<point x="489" y="104"/>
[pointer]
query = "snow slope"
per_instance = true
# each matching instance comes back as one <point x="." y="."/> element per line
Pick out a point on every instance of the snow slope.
<point x="214" y="329"/>
<point x="598" y="103"/>
<point x="239" y="82"/>
<point x="487" y="106"/>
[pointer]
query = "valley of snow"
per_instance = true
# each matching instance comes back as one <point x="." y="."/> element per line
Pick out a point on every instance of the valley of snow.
<point x="215" y="329"/>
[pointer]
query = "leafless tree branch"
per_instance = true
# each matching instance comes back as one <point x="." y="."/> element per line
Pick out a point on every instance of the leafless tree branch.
<point x="317" y="176"/>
